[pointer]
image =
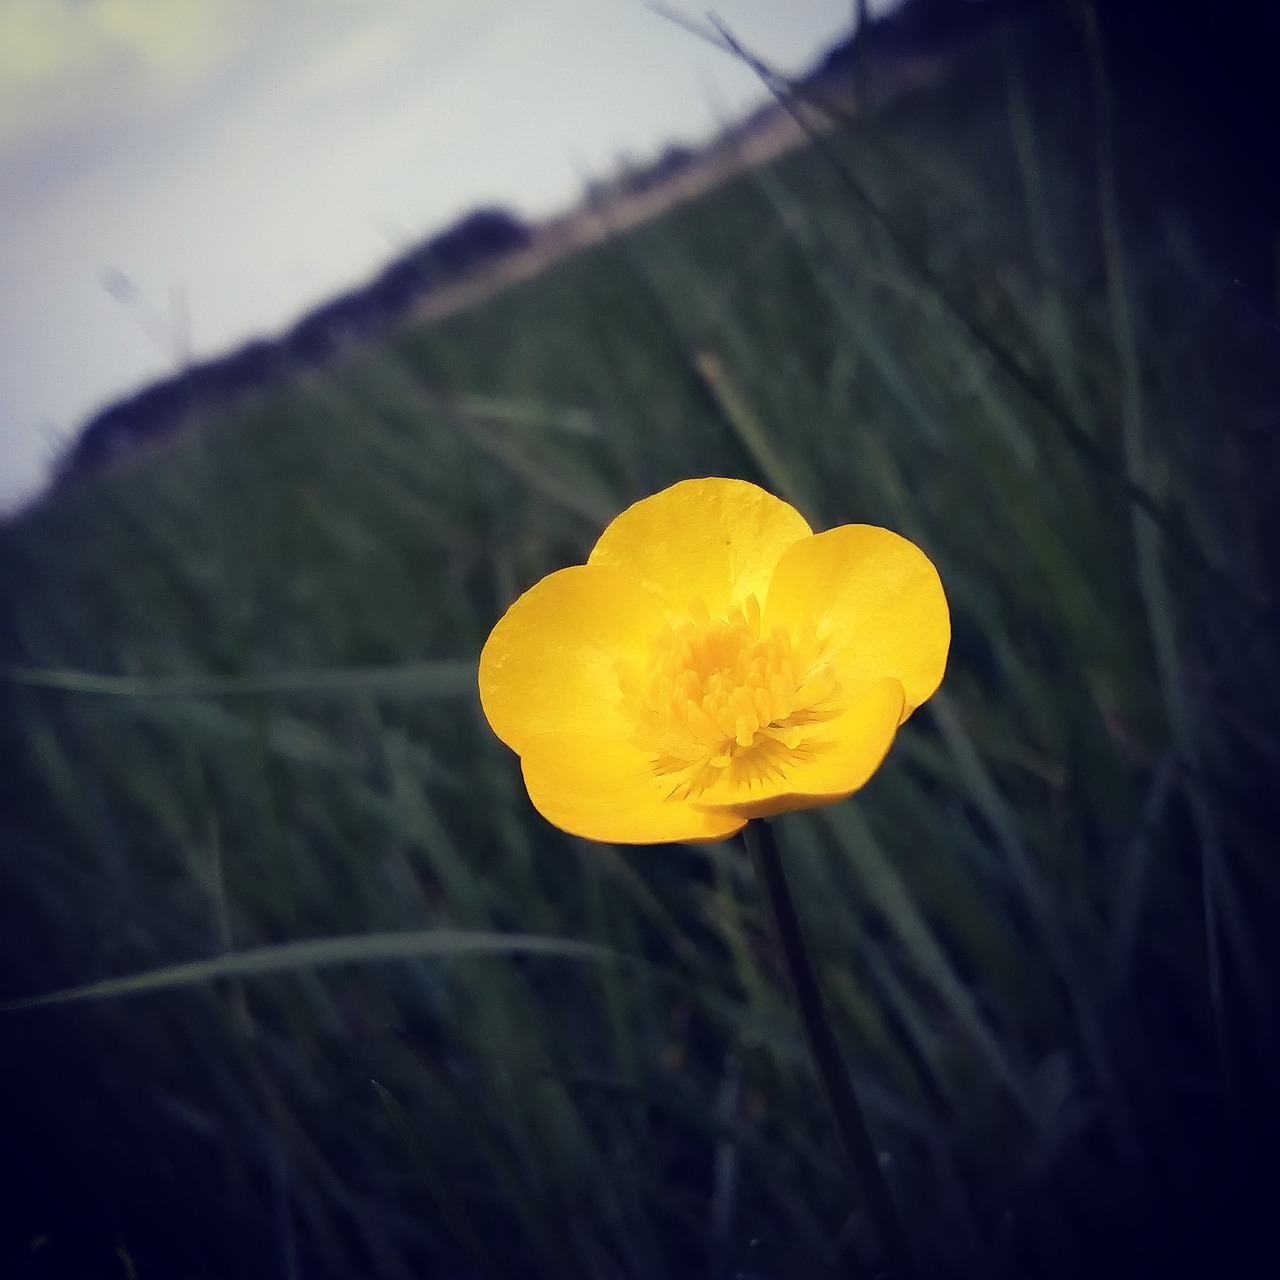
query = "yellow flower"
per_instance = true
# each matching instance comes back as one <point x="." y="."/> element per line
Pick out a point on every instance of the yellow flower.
<point x="714" y="660"/>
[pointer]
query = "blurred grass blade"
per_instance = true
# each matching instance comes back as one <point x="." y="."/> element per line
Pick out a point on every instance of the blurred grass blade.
<point x="754" y="1149"/>
<point x="999" y="815"/>
<point x="315" y="953"/>
<point x="891" y="896"/>
<point x="1133" y="882"/>
<point x="724" y="1166"/>
<point x="540" y="1221"/>
<point x="586" y="501"/>
<point x="1219" y="893"/>
<point x="733" y="403"/>
<point x="528" y="413"/>
<point x="446" y="678"/>
<point x="452" y="1208"/>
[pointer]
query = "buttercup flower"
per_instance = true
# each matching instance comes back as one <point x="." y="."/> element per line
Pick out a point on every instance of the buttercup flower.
<point x="714" y="660"/>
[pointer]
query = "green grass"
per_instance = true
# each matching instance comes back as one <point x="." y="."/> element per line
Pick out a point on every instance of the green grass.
<point x="240" y="719"/>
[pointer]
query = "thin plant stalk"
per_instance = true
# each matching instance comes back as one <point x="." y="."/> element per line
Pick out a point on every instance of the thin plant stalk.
<point x="824" y="1051"/>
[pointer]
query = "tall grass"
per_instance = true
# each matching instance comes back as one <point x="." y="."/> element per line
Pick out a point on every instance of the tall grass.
<point x="243" y="750"/>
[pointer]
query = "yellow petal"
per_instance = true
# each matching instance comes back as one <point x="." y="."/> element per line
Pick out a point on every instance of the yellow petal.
<point x="605" y="789"/>
<point x="834" y="759"/>
<point x="712" y="540"/>
<point x="874" y="599"/>
<point x="551" y="663"/>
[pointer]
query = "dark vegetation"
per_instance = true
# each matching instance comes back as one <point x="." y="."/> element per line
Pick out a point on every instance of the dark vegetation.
<point x="360" y="315"/>
<point x="924" y="28"/>
<point x="1001" y="315"/>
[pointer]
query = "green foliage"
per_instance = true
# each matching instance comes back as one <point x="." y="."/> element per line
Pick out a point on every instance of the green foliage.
<point x="240" y="719"/>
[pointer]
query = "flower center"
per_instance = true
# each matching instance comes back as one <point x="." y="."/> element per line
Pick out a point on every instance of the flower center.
<point x="717" y="694"/>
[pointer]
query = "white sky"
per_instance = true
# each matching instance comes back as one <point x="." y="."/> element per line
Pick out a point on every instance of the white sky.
<point x="257" y="156"/>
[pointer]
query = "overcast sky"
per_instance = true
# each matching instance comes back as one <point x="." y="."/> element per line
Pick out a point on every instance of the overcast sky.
<point x="241" y="160"/>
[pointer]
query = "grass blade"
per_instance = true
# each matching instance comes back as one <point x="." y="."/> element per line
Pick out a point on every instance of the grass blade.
<point x="314" y="953"/>
<point x="444" y="678"/>
<point x="451" y="1206"/>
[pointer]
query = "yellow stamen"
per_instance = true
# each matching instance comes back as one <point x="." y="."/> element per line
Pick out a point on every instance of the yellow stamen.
<point x="716" y="694"/>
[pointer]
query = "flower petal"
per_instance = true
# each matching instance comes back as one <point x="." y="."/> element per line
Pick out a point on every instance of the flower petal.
<point x="712" y="540"/>
<point x="875" y="599"/>
<point x="550" y="665"/>
<point x="605" y="789"/>
<point x="836" y="758"/>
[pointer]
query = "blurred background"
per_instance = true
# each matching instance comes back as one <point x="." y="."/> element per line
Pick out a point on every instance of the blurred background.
<point x="328" y="328"/>
<point x="181" y="178"/>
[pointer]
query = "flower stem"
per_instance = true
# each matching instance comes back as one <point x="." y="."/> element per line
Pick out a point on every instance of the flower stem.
<point x="825" y="1052"/>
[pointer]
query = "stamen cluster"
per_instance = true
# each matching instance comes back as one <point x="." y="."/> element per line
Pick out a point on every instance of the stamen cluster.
<point x="716" y="692"/>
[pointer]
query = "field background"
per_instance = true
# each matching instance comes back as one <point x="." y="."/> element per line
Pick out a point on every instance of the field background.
<point x="978" y="315"/>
